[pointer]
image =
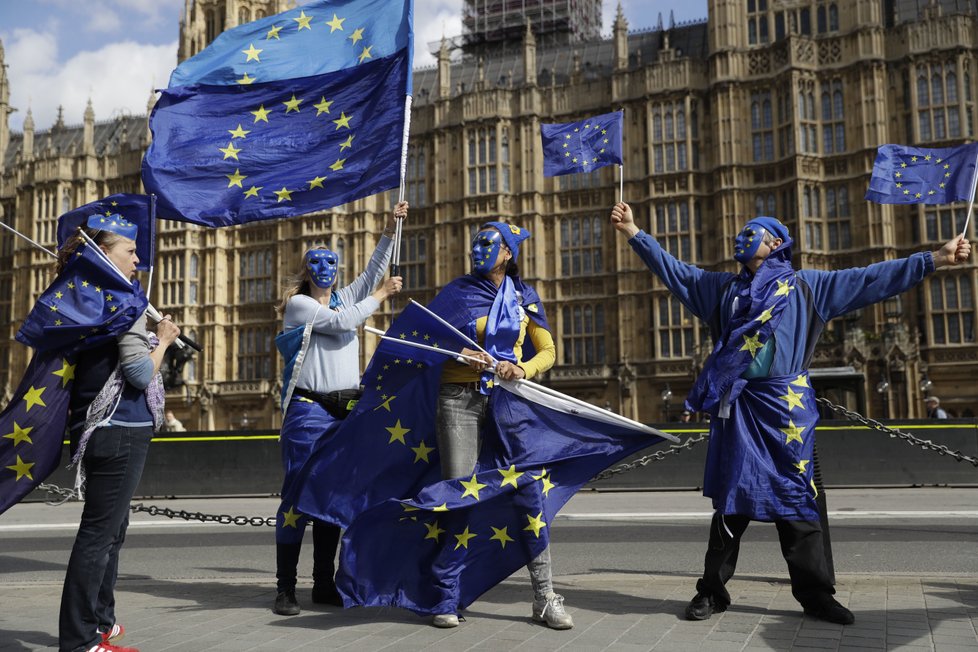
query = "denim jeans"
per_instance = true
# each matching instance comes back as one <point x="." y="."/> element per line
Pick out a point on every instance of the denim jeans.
<point x="114" y="461"/>
<point x="461" y="412"/>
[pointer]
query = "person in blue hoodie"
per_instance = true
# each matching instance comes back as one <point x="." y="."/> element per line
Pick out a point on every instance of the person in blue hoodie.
<point x="765" y="322"/>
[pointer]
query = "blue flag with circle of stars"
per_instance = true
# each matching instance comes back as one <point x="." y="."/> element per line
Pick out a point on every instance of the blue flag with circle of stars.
<point x="87" y="304"/>
<point x="138" y="209"/>
<point x="915" y="175"/>
<point x="584" y="146"/>
<point x="286" y="115"/>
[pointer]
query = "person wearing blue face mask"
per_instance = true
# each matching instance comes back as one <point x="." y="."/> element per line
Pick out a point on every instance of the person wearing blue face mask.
<point x="494" y="307"/>
<point x="321" y="381"/>
<point x="765" y="322"/>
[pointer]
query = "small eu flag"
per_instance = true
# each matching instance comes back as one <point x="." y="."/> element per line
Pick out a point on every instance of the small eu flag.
<point x="138" y="209"/>
<point x="913" y="175"/>
<point x="584" y="146"/>
<point x="286" y="115"/>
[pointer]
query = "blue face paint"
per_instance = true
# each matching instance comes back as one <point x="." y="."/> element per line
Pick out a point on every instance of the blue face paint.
<point x="748" y="242"/>
<point x="322" y="265"/>
<point x="485" y="250"/>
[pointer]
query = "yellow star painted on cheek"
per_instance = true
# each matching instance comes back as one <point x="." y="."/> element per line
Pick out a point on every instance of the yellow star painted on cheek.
<point x="536" y="524"/>
<point x="433" y="531"/>
<point x="238" y="132"/>
<point x="752" y="344"/>
<point x="284" y="194"/>
<point x="20" y="434"/>
<point x="793" y="432"/>
<point x="261" y="113"/>
<point x="397" y="433"/>
<point x="236" y="178"/>
<point x="252" y="191"/>
<point x="252" y="52"/>
<point x="793" y="399"/>
<point x="290" y="518"/>
<point x="501" y="535"/>
<point x="472" y="487"/>
<point x="292" y="105"/>
<point x="316" y="183"/>
<point x="802" y="465"/>
<point x="510" y="476"/>
<point x="303" y="21"/>
<point x="273" y="33"/>
<point x="784" y="288"/>
<point x="336" y="24"/>
<point x="67" y="372"/>
<point x="800" y="381"/>
<point x="463" y="539"/>
<point x="421" y="452"/>
<point x="33" y="397"/>
<point x="22" y="469"/>
<point x="342" y="121"/>
<point x="357" y="35"/>
<point x="230" y="151"/>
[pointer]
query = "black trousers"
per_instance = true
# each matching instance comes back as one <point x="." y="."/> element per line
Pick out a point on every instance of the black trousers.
<point x="325" y="540"/>
<point x="801" y="545"/>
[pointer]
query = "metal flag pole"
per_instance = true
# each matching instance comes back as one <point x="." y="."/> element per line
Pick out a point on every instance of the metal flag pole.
<point x="971" y="204"/>
<point x="398" y="222"/>
<point x="457" y="356"/>
<point x="152" y="228"/>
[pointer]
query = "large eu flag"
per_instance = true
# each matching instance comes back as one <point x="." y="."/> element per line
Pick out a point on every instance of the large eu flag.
<point x="87" y="304"/>
<point x="289" y="114"/>
<point x="584" y="146"/>
<point x="138" y="209"/>
<point x="915" y="175"/>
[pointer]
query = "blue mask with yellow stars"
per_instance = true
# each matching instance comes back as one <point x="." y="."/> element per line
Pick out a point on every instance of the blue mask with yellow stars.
<point x="485" y="250"/>
<point x="747" y="242"/>
<point x="322" y="265"/>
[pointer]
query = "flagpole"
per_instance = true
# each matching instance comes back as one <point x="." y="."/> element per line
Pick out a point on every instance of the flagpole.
<point x="399" y="222"/>
<point x="971" y="204"/>
<point x="19" y="234"/>
<point x="447" y="325"/>
<point x="621" y="183"/>
<point x="457" y="356"/>
<point x="152" y="229"/>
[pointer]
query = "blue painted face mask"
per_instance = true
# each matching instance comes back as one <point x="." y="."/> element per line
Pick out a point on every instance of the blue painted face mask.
<point x="748" y="242"/>
<point x="485" y="251"/>
<point x="322" y="265"/>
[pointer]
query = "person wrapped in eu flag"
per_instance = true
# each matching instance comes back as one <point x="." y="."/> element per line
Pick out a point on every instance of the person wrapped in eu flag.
<point x="493" y="306"/>
<point x="765" y="321"/>
<point x="321" y="376"/>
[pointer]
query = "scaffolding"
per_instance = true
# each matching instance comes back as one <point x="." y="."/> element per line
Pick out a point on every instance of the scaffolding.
<point x="555" y="22"/>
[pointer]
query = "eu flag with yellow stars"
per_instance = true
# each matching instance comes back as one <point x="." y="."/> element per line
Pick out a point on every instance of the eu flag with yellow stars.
<point x="286" y="115"/>
<point x="915" y="175"/>
<point x="583" y="146"/>
<point x="138" y="209"/>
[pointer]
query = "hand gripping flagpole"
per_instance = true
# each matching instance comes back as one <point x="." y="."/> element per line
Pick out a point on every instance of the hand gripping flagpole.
<point x="399" y="222"/>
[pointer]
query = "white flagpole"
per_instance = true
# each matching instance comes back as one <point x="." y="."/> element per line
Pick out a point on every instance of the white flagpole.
<point x="419" y="345"/>
<point x="399" y="223"/>
<point x="621" y="183"/>
<point x="21" y="235"/>
<point x="971" y="204"/>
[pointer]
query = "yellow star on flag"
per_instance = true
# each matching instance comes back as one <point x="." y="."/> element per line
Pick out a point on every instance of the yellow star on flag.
<point x="433" y="531"/>
<point x="793" y="432"/>
<point x="463" y="539"/>
<point x="323" y="105"/>
<point x="273" y="33"/>
<point x="316" y="183"/>
<point x="252" y="191"/>
<point x="303" y="21"/>
<point x="814" y="488"/>
<point x="284" y="194"/>
<point x="347" y="143"/>
<point x="33" y="397"/>
<point x="802" y="465"/>
<point x="22" y="468"/>
<point x="421" y="452"/>
<point x="547" y="485"/>
<point x="365" y="54"/>
<point x="386" y="404"/>
<point x="536" y="523"/>
<point x="357" y="35"/>
<point x="67" y="372"/>
<point x="252" y="52"/>
<point x="58" y="295"/>
<point x="261" y="113"/>
<point x="441" y="508"/>
<point x="290" y="518"/>
<point x="764" y="316"/>
<point x="238" y="132"/>
<point x="236" y="178"/>
<point x="793" y="399"/>
<point x="397" y="433"/>
<point x="752" y="344"/>
<point x="245" y="80"/>
<point x="800" y="381"/>
<point x="230" y="151"/>
<point x="471" y="487"/>
<point x="337" y="165"/>
<point x="71" y="286"/>
<point x="784" y="288"/>
<point x="501" y="535"/>
<point x="543" y="473"/>
<point x="342" y="121"/>
<point x="20" y="434"/>
<point x="510" y="476"/>
<point x="292" y="105"/>
<point x="335" y="24"/>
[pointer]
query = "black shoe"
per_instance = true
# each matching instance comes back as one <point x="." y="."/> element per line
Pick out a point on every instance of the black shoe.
<point x="286" y="604"/>
<point x="326" y="593"/>
<point x="700" y="607"/>
<point x="831" y="611"/>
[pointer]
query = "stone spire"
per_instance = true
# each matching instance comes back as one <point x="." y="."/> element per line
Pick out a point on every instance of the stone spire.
<point x="529" y="56"/>
<point x="5" y="109"/>
<point x="88" y="130"/>
<point x="27" y="151"/>
<point x="444" y="70"/>
<point x="621" y="40"/>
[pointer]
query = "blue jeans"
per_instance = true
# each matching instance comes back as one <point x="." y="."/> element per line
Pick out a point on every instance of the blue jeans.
<point x="461" y="412"/>
<point x="114" y="461"/>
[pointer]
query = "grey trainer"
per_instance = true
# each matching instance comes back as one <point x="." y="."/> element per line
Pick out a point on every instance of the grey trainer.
<point x="445" y="620"/>
<point x="550" y="610"/>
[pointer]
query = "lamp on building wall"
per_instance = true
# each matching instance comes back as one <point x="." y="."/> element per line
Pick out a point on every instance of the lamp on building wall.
<point x="883" y="389"/>
<point x="245" y="421"/>
<point x="925" y="385"/>
<point x="666" y="398"/>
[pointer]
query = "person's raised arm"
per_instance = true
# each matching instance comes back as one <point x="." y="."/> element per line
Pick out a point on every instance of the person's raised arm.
<point x="360" y="288"/>
<point x="302" y="310"/>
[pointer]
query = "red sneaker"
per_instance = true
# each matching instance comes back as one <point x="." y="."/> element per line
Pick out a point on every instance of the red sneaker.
<point x="115" y="633"/>
<point x="108" y="647"/>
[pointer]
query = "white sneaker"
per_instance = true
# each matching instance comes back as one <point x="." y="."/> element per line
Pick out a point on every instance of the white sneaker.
<point x="445" y="620"/>
<point x="550" y="610"/>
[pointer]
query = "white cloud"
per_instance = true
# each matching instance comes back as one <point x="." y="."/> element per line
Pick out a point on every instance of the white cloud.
<point x="29" y="51"/>
<point x="103" y="19"/>
<point x="117" y="77"/>
<point x="432" y="20"/>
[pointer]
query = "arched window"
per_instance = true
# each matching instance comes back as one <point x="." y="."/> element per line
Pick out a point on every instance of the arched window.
<point x="923" y="96"/>
<point x="833" y="18"/>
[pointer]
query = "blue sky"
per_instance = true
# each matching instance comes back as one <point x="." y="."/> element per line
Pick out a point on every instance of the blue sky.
<point x="63" y="52"/>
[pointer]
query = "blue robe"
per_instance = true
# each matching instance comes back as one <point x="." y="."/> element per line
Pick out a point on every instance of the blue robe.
<point x="759" y="459"/>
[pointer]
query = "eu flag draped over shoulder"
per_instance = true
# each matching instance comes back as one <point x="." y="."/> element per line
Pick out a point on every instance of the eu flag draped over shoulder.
<point x="914" y="175"/>
<point x="138" y="209"/>
<point x="293" y="113"/>
<point x="86" y="305"/>
<point x="584" y="146"/>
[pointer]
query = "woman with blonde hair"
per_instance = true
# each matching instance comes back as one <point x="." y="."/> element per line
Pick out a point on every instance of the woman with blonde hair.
<point x="320" y="382"/>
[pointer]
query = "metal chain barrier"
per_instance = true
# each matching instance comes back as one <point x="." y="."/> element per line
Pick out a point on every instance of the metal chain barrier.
<point x="654" y="457"/>
<point x="924" y="444"/>
<point x="57" y="495"/>
<point x="223" y="519"/>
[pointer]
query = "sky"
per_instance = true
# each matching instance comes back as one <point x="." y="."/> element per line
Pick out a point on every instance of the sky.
<point x="63" y="52"/>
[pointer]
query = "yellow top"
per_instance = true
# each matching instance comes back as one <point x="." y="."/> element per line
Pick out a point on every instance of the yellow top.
<point x="543" y="342"/>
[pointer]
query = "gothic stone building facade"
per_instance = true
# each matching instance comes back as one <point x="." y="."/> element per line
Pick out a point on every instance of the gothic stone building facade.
<point x="767" y="107"/>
